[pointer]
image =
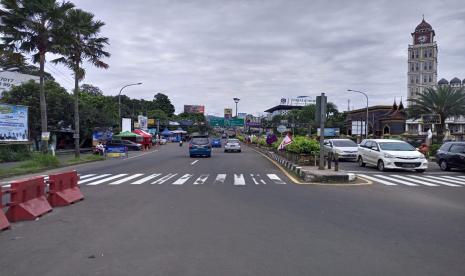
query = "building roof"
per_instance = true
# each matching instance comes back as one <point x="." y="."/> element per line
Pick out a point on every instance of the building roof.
<point x="370" y="108"/>
<point x="443" y="81"/>
<point x="423" y="26"/>
<point x="283" y="107"/>
<point x="455" y="81"/>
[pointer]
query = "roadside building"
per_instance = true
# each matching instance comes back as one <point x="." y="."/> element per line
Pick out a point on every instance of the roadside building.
<point x="383" y="120"/>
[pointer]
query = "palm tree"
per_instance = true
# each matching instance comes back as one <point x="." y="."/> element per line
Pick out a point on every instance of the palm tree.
<point x="80" y="41"/>
<point x="446" y="101"/>
<point x="30" y="26"/>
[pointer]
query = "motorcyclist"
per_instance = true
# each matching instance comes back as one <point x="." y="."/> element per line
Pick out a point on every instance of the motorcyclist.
<point x="180" y="143"/>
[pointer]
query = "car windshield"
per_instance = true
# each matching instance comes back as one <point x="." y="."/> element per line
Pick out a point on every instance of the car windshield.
<point x="233" y="141"/>
<point x="396" y="146"/>
<point x="344" y="143"/>
<point x="200" y="141"/>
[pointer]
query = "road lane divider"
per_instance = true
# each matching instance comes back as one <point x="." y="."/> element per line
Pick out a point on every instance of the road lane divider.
<point x="64" y="189"/>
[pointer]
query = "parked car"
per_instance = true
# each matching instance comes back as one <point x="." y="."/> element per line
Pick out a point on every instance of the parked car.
<point x="216" y="143"/>
<point x="390" y="154"/>
<point x="345" y="148"/>
<point x="129" y="144"/>
<point x="200" y="146"/>
<point x="232" y="145"/>
<point x="451" y="155"/>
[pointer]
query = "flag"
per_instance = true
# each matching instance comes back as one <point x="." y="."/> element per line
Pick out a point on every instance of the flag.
<point x="286" y="141"/>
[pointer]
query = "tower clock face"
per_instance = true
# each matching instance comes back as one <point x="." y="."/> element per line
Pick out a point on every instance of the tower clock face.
<point x="422" y="38"/>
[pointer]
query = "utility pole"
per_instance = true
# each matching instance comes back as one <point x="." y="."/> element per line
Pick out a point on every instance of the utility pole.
<point x="320" y="117"/>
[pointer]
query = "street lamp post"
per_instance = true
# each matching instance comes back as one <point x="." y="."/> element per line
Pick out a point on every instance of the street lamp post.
<point x="366" y="122"/>
<point x="236" y="100"/>
<point x="119" y="101"/>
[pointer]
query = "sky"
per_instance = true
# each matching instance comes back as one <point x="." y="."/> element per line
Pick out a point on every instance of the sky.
<point x="208" y="52"/>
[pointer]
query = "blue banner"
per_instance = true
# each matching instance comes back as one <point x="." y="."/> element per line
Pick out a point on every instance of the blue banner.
<point x="13" y="123"/>
<point x="116" y="149"/>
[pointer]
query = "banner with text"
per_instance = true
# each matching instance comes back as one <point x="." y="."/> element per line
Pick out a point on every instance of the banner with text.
<point x="13" y="123"/>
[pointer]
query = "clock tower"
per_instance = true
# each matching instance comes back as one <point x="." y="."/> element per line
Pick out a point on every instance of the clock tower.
<point x="422" y="60"/>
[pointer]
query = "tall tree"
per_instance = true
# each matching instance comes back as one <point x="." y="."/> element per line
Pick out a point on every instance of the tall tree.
<point x="162" y="102"/>
<point x="80" y="41"/>
<point x="91" y="90"/>
<point x="30" y="26"/>
<point x="446" y="101"/>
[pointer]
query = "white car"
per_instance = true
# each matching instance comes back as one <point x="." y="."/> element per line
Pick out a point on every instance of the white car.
<point x="390" y="154"/>
<point x="344" y="148"/>
<point x="232" y="145"/>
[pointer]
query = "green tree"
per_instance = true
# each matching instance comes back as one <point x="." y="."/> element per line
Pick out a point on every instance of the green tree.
<point x="30" y="26"/>
<point x="446" y="101"/>
<point x="161" y="101"/>
<point x="10" y="59"/>
<point x="59" y="101"/>
<point x="79" y="42"/>
<point x="91" y="90"/>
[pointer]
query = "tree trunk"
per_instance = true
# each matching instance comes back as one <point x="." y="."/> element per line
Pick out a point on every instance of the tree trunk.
<point x="43" y="105"/>
<point x="76" y="111"/>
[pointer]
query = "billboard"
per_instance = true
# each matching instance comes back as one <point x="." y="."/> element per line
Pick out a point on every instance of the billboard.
<point x="142" y="120"/>
<point x="126" y="124"/>
<point x="8" y="79"/>
<point x="329" y="132"/>
<point x="358" y="127"/>
<point x="228" y="113"/>
<point x="13" y="123"/>
<point x="241" y="115"/>
<point x="194" y="109"/>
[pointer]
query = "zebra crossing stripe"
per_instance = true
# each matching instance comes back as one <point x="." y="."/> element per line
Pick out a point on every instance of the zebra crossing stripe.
<point x="416" y="181"/>
<point x="275" y="178"/>
<point x="86" y="176"/>
<point x="220" y="178"/>
<point x="448" y="180"/>
<point x="239" y="180"/>
<point x="440" y="181"/>
<point x="253" y="179"/>
<point x="145" y="179"/>
<point x="462" y="181"/>
<point x="106" y="179"/>
<point x="201" y="180"/>
<point x="183" y="179"/>
<point x="261" y="179"/>
<point x="165" y="178"/>
<point x="126" y="179"/>
<point x="377" y="180"/>
<point x="93" y="178"/>
<point x="396" y="180"/>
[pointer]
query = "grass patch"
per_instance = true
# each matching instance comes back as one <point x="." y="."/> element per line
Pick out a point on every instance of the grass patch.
<point x="10" y="153"/>
<point x="88" y="158"/>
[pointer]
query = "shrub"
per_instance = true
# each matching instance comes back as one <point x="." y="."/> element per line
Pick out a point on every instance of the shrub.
<point x="303" y="145"/>
<point x="433" y="149"/>
<point x="9" y="153"/>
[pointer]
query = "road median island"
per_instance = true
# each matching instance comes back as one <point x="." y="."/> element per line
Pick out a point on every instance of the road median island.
<point x="310" y="174"/>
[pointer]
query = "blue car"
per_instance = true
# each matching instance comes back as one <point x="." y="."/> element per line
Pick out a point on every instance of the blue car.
<point x="200" y="146"/>
<point x="216" y="143"/>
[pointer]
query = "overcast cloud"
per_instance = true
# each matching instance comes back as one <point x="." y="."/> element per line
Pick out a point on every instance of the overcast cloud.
<point x="207" y="52"/>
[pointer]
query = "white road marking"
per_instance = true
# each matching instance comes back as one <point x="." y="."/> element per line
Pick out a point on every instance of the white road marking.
<point x="448" y="180"/>
<point x="275" y="178"/>
<point x="165" y="178"/>
<point x="86" y="176"/>
<point x="93" y="178"/>
<point x="194" y="162"/>
<point x="239" y="180"/>
<point x="145" y="179"/>
<point x="201" y="180"/>
<point x="416" y="181"/>
<point x="106" y="179"/>
<point x="435" y="181"/>
<point x="220" y="178"/>
<point x="183" y="179"/>
<point x="253" y="179"/>
<point x="461" y="181"/>
<point x="261" y="179"/>
<point x="126" y="179"/>
<point x="377" y="180"/>
<point x="396" y="180"/>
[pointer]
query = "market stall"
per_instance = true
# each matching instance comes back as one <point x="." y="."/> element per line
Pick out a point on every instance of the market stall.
<point x="147" y="138"/>
<point x="127" y="135"/>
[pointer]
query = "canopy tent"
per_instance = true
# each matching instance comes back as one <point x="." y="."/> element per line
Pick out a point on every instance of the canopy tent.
<point x="127" y="135"/>
<point x="166" y="132"/>
<point x="178" y="135"/>
<point x="147" y="137"/>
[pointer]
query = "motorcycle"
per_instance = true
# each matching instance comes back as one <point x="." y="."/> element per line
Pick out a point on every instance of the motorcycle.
<point x="180" y="143"/>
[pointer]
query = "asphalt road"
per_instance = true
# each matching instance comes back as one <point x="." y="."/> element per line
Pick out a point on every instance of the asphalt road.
<point x="216" y="216"/>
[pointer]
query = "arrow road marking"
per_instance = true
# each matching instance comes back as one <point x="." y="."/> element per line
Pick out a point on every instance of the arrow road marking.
<point x="183" y="179"/>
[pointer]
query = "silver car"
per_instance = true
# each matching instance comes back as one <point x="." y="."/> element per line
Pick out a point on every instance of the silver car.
<point x="345" y="148"/>
<point x="232" y="145"/>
